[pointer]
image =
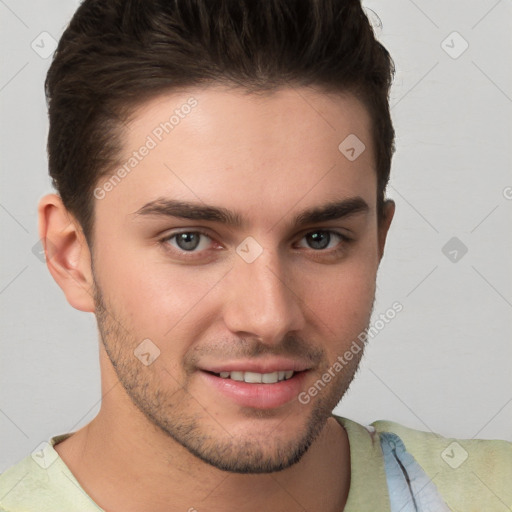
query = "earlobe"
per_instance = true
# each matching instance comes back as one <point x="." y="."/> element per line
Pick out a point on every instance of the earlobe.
<point x="385" y="223"/>
<point x="67" y="253"/>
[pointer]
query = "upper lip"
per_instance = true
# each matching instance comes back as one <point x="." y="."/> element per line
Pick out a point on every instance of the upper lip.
<point x="262" y="366"/>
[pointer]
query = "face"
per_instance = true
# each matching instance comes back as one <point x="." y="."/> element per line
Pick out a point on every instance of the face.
<point x="242" y="245"/>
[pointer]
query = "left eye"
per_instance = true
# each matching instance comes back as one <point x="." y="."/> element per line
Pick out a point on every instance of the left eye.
<point x="320" y="240"/>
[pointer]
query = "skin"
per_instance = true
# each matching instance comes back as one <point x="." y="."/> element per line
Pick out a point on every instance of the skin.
<point x="165" y="439"/>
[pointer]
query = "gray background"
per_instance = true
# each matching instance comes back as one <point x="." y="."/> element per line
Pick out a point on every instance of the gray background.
<point x="443" y="364"/>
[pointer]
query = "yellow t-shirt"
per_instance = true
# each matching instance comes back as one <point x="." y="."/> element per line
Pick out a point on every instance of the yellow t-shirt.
<point x="392" y="468"/>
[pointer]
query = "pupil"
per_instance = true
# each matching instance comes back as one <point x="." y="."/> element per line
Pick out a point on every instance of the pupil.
<point x="319" y="239"/>
<point x="187" y="241"/>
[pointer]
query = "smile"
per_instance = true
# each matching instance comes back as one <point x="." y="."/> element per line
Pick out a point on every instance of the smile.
<point x="258" y="378"/>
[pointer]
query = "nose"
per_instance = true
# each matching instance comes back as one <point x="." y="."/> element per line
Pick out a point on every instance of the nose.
<point x="262" y="300"/>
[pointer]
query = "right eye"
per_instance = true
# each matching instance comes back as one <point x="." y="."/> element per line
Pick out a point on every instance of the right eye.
<point x="187" y="241"/>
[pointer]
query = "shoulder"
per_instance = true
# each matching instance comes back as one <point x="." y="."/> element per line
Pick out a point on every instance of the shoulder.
<point x="470" y="474"/>
<point x="23" y="485"/>
<point x="42" y="482"/>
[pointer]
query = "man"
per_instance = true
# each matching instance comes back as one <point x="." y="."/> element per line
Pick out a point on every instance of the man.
<point x="221" y="171"/>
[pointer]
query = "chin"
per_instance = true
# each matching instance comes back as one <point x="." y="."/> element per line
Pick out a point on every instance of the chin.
<point x="251" y="457"/>
<point x="255" y="445"/>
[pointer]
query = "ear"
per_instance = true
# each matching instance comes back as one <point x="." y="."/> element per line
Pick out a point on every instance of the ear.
<point x="67" y="254"/>
<point x="384" y="223"/>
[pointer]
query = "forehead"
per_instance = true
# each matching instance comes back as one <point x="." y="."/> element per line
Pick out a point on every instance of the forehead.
<point x="240" y="150"/>
<point x="236" y="117"/>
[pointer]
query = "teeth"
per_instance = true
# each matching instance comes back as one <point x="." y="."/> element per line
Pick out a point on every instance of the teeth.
<point x="270" y="378"/>
<point x="252" y="377"/>
<point x="258" y="378"/>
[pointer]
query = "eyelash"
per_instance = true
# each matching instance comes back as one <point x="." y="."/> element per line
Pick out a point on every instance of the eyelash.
<point x="194" y="255"/>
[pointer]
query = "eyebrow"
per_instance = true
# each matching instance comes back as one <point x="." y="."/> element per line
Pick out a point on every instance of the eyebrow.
<point x="163" y="207"/>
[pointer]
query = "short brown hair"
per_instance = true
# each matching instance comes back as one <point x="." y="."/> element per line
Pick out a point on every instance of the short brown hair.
<point x="117" y="53"/>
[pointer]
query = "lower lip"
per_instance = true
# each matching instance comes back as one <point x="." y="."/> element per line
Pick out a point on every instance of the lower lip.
<point x="258" y="396"/>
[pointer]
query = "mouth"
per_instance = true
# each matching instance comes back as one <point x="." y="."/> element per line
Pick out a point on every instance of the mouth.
<point x="257" y="390"/>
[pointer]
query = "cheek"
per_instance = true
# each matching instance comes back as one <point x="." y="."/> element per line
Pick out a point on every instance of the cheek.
<point x="344" y="300"/>
<point x="154" y="297"/>
<point x="341" y="300"/>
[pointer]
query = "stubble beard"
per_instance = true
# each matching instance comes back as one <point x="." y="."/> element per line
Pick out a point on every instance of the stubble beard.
<point x="177" y="414"/>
